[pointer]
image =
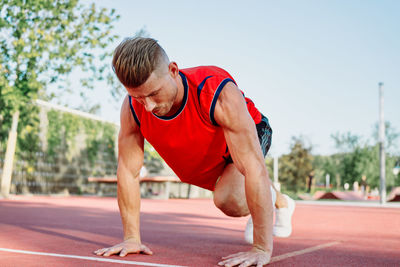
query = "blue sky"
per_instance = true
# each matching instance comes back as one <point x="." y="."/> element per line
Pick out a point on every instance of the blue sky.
<point x="312" y="67"/>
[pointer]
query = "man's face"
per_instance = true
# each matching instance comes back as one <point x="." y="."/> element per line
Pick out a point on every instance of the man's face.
<point x="158" y="94"/>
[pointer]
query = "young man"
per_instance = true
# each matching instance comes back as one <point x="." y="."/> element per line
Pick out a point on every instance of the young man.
<point x="208" y="133"/>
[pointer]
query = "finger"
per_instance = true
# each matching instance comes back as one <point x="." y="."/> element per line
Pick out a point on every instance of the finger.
<point x="235" y="262"/>
<point x="111" y="251"/>
<point x="100" y="252"/>
<point x="231" y="262"/>
<point x="246" y="263"/>
<point x="233" y="255"/>
<point x="123" y="252"/>
<point x="146" y="250"/>
<point x="222" y="263"/>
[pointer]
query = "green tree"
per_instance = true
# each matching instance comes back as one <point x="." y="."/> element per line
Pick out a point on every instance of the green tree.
<point x="350" y="152"/>
<point x="391" y="137"/>
<point x="295" y="167"/>
<point x="357" y="157"/>
<point x="324" y="165"/>
<point x="346" y="142"/>
<point x="368" y="165"/>
<point x="43" y="41"/>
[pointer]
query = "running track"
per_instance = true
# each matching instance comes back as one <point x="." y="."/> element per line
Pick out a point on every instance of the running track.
<point x="63" y="231"/>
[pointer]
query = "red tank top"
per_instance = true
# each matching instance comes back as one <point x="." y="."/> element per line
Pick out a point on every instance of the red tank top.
<point x="190" y="141"/>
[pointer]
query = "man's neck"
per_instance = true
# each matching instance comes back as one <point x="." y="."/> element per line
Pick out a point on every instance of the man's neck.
<point x="179" y="97"/>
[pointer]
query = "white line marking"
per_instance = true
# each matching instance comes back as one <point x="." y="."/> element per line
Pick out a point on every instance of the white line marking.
<point x="303" y="251"/>
<point x="88" y="258"/>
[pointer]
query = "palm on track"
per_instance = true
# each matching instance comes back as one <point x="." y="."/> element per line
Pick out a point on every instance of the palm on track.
<point x="255" y="257"/>
<point x="124" y="249"/>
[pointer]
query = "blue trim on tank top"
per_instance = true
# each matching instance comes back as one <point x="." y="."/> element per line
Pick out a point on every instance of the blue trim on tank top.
<point x="133" y="111"/>
<point x="201" y="85"/>
<point x="215" y="98"/>
<point x="185" y="98"/>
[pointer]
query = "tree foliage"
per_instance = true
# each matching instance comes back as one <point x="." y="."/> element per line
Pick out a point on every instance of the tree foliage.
<point x="295" y="167"/>
<point x="357" y="157"/>
<point x="391" y="137"/>
<point x="41" y="42"/>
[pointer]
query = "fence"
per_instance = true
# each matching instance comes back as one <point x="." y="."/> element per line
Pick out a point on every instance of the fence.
<point x="65" y="147"/>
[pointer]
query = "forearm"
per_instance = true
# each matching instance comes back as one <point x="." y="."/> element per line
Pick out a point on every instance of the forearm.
<point x="258" y="195"/>
<point x="129" y="204"/>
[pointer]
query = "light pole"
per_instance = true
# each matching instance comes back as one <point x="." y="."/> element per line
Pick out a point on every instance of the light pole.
<point x="382" y="147"/>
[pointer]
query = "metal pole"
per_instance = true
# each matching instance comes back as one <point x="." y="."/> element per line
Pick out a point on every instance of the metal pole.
<point x="328" y="181"/>
<point x="382" y="146"/>
<point x="72" y="111"/>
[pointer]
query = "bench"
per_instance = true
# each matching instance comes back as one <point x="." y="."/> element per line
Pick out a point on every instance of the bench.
<point x="151" y="186"/>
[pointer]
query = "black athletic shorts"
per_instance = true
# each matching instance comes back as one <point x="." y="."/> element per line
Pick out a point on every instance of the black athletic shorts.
<point x="264" y="133"/>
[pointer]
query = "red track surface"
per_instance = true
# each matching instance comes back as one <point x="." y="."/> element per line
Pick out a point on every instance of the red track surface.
<point x="191" y="233"/>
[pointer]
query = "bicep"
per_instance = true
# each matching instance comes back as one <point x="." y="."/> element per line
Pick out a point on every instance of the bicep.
<point x="239" y="129"/>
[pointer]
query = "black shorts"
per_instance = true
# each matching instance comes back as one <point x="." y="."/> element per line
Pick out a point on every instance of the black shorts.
<point x="264" y="133"/>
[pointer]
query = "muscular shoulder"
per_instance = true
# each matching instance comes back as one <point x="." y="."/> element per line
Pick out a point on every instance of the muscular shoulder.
<point x="231" y="109"/>
<point x="208" y="82"/>
<point x="128" y="124"/>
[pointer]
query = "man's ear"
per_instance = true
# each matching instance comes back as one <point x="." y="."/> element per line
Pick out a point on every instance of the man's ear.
<point x="173" y="69"/>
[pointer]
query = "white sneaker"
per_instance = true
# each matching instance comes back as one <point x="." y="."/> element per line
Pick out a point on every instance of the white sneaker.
<point x="283" y="222"/>
<point x="283" y="219"/>
<point x="248" y="231"/>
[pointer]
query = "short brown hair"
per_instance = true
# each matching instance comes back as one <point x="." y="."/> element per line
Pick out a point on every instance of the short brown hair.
<point x="135" y="59"/>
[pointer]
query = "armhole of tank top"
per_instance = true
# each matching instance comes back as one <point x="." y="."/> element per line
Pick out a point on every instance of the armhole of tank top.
<point x="203" y="109"/>
<point x="133" y="111"/>
<point x="215" y="99"/>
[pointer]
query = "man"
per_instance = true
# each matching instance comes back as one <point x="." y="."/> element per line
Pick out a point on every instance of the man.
<point x="364" y="186"/>
<point x="208" y="133"/>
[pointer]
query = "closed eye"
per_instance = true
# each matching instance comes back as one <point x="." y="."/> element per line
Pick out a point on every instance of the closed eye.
<point x="155" y="93"/>
<point x="150" y="95"/>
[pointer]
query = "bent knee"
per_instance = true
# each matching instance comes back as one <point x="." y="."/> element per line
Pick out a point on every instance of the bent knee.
<point x="231" y="206"/>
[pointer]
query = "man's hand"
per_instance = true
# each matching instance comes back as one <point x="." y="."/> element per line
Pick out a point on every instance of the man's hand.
<point x="128" y="246"/>
<point x="255" y="257"/>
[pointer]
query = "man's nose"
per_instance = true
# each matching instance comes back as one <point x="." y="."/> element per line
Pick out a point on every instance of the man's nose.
<point x="149" y="105"/>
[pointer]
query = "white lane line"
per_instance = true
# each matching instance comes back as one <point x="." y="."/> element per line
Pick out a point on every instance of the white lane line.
<point x="303" y="251"/>
<point x="87" y="258"/>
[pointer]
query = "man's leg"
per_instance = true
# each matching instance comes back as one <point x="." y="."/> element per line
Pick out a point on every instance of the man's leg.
<point x="230" y="196"/>
<point x="229" y="193"/>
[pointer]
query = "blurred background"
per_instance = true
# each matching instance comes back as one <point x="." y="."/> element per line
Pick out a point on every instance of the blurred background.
<point x="312" y="67"/>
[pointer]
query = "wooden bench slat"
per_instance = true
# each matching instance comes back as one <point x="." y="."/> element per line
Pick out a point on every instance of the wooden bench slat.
<point x="142" y="179"/>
